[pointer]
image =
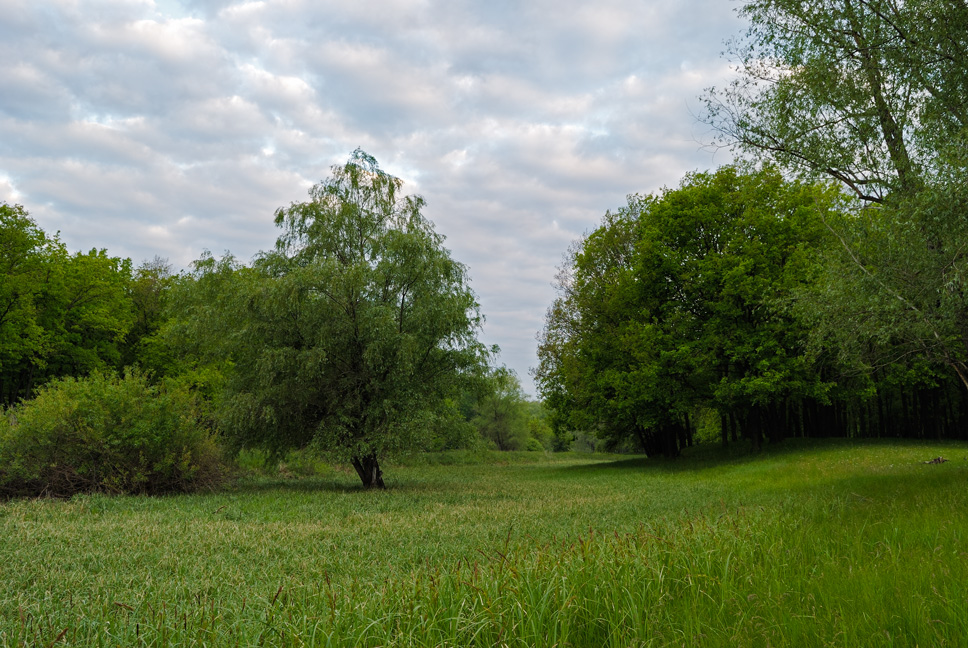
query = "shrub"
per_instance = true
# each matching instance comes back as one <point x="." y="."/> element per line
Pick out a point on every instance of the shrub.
<point x="533" y="445"/>
<point x="105" y="433"/>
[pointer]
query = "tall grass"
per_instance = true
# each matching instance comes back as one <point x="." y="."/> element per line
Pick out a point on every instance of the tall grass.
<point x="832" y="544"/>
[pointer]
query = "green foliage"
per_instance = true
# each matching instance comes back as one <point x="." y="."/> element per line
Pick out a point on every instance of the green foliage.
<point x="87" y="313"/>
<point x="492" y="412"/>
<point x="873" y="94"/>
<point x="149" y="291"/>
<point x="680" y="301"/>
<point x="533" y="445"/>
<point x="61" y="314"/>
<point x="450" y="429"/>
<point x="350" y="334"/>
<point x="500" y="411"/>
<point x="869" y="92"/>
<point x="538" y="426"/>
<point x="25" y="252"/>
<point x="890" y="297"/>
<point x="103" y="433"/>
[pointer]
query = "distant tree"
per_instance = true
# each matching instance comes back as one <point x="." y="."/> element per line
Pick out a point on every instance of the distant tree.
<point x="451" y="429"/>
<point x="350" y="334"/>
<point x="501" y="412"/>
<point x="149" y="291"/>
<point x="538" y="426"/>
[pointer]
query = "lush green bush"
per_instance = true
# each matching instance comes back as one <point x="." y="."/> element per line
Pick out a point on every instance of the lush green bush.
<point x="533" y="445"/>
<point x="105" y="433"/>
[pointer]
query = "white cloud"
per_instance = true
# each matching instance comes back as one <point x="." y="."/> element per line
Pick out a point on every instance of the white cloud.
<point x="171" y="126"/>
<point x="8" y="192"/>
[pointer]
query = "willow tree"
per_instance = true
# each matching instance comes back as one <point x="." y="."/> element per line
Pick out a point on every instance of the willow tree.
<point x="351" y="332"/>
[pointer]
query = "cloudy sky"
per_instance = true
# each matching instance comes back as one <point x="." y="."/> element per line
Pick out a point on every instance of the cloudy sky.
<point x="169" y="127"/>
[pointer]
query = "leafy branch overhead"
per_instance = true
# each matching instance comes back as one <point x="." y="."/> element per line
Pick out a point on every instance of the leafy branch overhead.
<point x="871" y="93"/>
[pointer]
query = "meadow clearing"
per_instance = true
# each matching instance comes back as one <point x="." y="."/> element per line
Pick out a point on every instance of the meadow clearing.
<point x="806" y="544"/>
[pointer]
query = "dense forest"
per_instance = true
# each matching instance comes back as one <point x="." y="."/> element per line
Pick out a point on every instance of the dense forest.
<point x="814" y="288"/>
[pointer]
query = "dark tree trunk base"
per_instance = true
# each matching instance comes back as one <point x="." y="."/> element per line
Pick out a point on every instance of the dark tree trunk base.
<point x="368" y="468"/>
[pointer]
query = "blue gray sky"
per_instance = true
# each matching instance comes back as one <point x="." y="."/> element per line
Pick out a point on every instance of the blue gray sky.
<point x="170" y="127"/>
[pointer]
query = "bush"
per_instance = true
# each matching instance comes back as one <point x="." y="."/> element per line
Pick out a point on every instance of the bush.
<point x="534" y="445"/>
<point x="106" y="433"/>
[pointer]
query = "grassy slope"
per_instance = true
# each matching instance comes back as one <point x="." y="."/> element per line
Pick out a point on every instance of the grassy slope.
<point x="832" y="544"/>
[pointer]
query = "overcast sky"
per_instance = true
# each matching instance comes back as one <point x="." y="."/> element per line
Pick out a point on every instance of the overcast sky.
<point x="175" y="126"/>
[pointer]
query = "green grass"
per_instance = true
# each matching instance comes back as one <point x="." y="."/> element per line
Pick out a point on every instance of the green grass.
<point x="808" y="544"/>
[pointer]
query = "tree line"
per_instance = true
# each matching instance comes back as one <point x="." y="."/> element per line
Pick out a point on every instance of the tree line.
<point x="816" y="288"/>
<point x="68" y="314"/>
<point x="355" y="335"/>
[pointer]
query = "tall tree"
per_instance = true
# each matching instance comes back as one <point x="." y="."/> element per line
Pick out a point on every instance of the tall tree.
<point x="25" y="253"/>
<point x="873" y="93"/>
<point x="679" y="301"/>
<point x="869" y="92"/>
<point x="87" y="313"/>
<point x="351" y="332"/>
<point x="893" y="291"/>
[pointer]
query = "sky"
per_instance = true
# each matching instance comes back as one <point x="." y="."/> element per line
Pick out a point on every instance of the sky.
<point x="171" y="127"/>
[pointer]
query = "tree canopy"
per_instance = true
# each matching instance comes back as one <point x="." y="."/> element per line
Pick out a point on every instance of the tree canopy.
<point x="681" y="299"/>
<point x="61" y="314"/>
<point x="873" y="93"/>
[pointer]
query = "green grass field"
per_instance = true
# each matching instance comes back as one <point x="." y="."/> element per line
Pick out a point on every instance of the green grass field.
<point x="805" y="545"/>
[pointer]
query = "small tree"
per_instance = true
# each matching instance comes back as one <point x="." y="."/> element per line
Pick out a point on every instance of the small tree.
<point x="502" y="415"/>
<point x="351" y="333"/>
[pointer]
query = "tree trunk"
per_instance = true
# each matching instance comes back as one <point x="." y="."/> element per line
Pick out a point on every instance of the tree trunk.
<point x="754" y="428"/>
<point x="686" y="440"/>
<point x="891" y="131"/>
<point x="775" y="423"/>
<point x="670" y="439"/>
<point x="368" y="468"/>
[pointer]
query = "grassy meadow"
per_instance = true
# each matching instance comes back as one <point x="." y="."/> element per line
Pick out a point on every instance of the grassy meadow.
<point x="807" y="544"/>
